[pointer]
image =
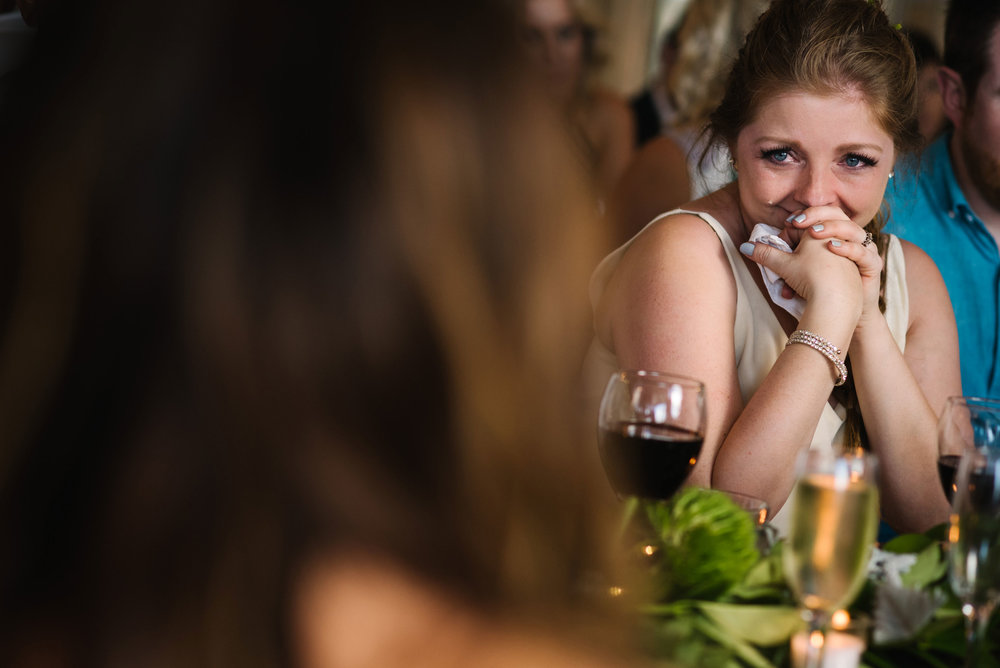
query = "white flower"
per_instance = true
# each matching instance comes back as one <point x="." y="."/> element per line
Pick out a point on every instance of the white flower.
<point x="900" y="612"/>
<point x="889" y="567"/>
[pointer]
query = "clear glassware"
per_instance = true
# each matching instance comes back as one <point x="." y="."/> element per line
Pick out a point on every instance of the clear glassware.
<point x="760" y="513"/>
<point x="651" y="427"/>
<point x="966" y="423"/>
<point x="758" y="509"/>
<point x="834" y="523"/>
<point x="974" y="543"/>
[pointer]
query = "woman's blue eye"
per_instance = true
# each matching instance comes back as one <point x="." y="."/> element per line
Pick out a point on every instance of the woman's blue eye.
<point x="854" y="160"/>
<point x="776" y="155"/>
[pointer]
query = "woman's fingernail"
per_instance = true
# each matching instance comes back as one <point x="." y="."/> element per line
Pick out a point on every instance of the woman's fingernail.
<point x="818" y="227"/>
<point x="790" y="218"/>
<point x="836" y="243"/>
<point x="799" y="218"/>
<point x="746" y="248"/>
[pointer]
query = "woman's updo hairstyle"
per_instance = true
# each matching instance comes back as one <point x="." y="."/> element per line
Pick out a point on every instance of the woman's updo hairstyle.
<point x="823" y="47"/>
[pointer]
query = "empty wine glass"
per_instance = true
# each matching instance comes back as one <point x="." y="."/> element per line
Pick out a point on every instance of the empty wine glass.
<point x="651" y="427"/>
<point x="834" y="522"/>
<point x="758" y="509"/>
<point x="966" y="423"/>
<point x="760" y="513"/>
<point x="974" y="543"/>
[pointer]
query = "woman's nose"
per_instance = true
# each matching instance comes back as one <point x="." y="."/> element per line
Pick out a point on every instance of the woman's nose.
<point x="816" y="187"/>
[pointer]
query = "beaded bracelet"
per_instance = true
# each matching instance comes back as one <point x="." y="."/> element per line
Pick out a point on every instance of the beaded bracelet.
<point x="827" y="349"/>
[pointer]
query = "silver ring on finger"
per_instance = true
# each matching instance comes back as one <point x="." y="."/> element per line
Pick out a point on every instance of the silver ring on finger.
<point x="868" y="239"/>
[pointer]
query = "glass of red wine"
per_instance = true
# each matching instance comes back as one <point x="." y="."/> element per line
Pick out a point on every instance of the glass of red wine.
<point x="651" y="428"/>
<point x="974" y="544"/>
<point x="967" y="423"/>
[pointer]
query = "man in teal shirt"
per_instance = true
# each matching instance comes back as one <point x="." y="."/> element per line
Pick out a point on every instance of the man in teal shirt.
<point x="948" y="203"/>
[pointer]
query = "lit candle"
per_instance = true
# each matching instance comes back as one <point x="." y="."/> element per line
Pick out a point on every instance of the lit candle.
<point x="840" y="650"/>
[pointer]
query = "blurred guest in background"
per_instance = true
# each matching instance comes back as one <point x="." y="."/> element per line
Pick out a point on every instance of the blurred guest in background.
<point x="287" y="372"/>
<point x="564" y="40"/>
<point x="948" y="202"/>
<point x="930" y="111"/>
<point x="707" y="40"/>
<point x="656" y="180"/>
<point x="652" y="108"/>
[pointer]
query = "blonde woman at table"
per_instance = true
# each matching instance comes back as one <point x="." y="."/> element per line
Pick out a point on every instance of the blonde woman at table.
<point x="818" y="106"/>
<point x="291" y="357"/>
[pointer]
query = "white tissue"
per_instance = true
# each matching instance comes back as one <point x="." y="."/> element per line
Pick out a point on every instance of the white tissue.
<point x="767" y="234"/>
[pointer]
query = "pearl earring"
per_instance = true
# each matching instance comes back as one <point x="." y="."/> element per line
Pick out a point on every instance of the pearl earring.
<point x="892" y="174"/>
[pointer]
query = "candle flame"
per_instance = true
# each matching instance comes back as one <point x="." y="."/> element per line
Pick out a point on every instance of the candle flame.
<point x="953" y="529"/>
<point x="840" y="620"/>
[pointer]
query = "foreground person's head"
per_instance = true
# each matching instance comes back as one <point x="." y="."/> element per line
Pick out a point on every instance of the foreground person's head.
<point x="314" y="284"/>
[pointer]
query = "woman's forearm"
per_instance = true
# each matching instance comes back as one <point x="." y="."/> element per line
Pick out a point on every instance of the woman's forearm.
<point x="758" y="454"/>
<point x="901" y="428"/>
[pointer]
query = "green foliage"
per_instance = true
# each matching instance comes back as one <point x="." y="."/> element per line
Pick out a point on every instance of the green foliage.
<point x="715" y="600"/>
<point x="707" y="543"/>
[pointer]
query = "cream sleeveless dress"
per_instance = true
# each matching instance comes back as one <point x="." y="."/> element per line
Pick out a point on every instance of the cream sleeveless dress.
<point x="757" y="335"/>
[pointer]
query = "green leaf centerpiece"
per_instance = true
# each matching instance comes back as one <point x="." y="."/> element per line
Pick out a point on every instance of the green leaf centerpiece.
<point x="711" y="596"/>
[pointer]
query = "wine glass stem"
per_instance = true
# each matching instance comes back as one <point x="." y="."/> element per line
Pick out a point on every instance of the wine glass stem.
<point x="976" y="620"/>
<point x="814" y="651"/>
<point x="814" y="656"/>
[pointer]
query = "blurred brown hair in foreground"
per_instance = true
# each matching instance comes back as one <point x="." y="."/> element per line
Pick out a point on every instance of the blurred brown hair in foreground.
<point x="294" y="300"/>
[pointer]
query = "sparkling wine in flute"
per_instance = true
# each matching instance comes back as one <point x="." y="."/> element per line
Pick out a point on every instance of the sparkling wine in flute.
<point x="834" y="525"/>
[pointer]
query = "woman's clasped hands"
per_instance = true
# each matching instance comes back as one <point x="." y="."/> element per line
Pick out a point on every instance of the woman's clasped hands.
<point x="821" y="235"/>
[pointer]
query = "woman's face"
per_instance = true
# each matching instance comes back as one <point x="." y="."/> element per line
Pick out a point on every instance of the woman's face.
<point x="554" y="39"/>
<point x="806" y="150"/>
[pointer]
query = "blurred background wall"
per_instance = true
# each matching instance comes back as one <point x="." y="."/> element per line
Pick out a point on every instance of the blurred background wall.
<point x="635" y="25"/>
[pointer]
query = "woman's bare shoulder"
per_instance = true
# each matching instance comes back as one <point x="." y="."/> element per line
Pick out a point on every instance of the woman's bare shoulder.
<point x="917" y="260"/>
<point x="921" y="272"/>
<point x="928" y="296"/>
<point x="676" y="252"/>
<point x="669" y="294"/>
<point x="687" y="230"/>
<point x="672" y="234"/>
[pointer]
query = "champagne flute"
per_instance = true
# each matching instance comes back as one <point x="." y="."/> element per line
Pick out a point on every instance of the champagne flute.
<point x="974" y="543"/>
<point x="651" y="427"/>
<point x="966" y="423"/>
<point x="834" y="522"/>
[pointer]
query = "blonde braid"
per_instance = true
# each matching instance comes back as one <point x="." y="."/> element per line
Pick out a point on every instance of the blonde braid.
<point x="855" y="435"/>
